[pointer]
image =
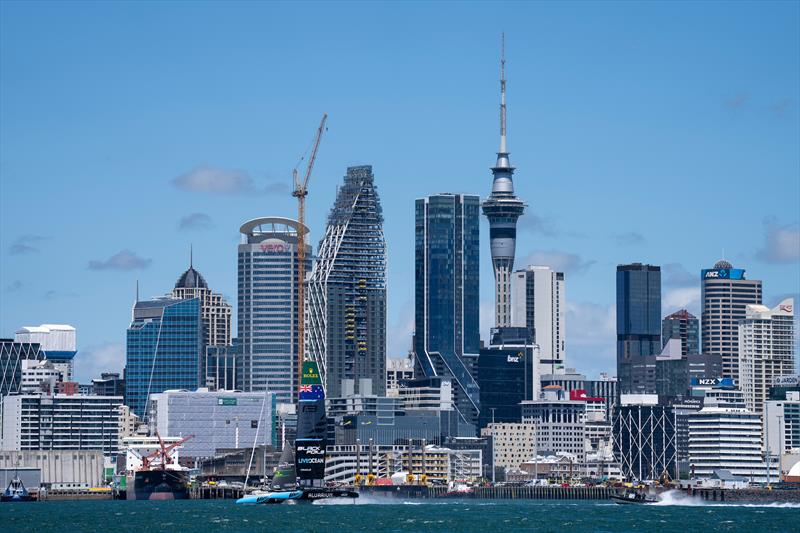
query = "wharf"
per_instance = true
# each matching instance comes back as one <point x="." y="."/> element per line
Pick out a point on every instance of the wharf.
<point x="746" y="495"/>
<point x="493" y="493"/>
<point x="215" y="492"/>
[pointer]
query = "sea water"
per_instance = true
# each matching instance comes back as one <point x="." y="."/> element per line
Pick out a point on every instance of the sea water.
<point x="675" y="514"/>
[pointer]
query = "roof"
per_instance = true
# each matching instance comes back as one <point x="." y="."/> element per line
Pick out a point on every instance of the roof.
<point x="277" y="225"/>
<point x="191" y="279"/>
<point x="722" y="264"/>
<point x="683" y="314"/>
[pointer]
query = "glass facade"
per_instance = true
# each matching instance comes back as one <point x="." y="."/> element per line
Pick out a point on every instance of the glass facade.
<point x="447" y="256"/>
<point x="684" y="326"/>
<point x="638" y="326"/>
<point x="164" y="349"/>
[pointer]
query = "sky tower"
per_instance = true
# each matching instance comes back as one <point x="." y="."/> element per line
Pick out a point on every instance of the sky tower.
<point x="503" y="208"/>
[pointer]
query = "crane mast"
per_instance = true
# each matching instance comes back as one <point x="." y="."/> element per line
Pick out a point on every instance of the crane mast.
<point x="300" y="192"/>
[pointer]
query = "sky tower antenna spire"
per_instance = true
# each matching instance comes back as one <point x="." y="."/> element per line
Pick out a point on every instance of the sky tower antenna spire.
<point x="503" y="149"/>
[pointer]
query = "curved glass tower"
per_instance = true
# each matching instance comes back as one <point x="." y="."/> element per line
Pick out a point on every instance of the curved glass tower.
<point x="503" y="208"/>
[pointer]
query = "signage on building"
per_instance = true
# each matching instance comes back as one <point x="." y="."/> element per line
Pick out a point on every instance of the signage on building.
<point x="515" y="358"/>
<point x="272" y="246"/>
<point x="226" y="401"/>
<point x="723" y="273"/>
<point x="791" y="380"/>
<point x="712" y="382"/>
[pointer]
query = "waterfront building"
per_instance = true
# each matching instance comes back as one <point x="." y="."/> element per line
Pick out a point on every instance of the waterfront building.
<point x="560" y="422"/>
<point x="782" y="424"/>
<point x="684" y="326"/>
<point x="398" y="370"/>
<point x="268" y="312"/>
<point x="164" y="347"/>
<point x="446" y="339"/>
<point x="539" y="304"/>
<point x="54" y="469"/>
<point x="61" y="422"/>
<point x="346" y="306"/>
<point x="725" y="295"/>
<point x="217" y="419"/>
<point x="638" y="327"/>
<point x="503" y="208"/>
<point x="513" y="443"/>
<point x="57" y="343"/>
<point x="645" y="439"/>
<point x="682" y="409"/>
<point x="724" y="434"/>
<point x="214" y="310"/>
<point x="766" y="350"/>
<point x="507" y="375"/>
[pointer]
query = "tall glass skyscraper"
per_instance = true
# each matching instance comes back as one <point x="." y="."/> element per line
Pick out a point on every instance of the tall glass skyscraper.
<point x="638" y="326"/>
<point x="346" y="292"/>
<point x="684" y="326"/>
<point x="268" y="312"/>
<point x="446" y="266"/>
<point x="164" y="349"/>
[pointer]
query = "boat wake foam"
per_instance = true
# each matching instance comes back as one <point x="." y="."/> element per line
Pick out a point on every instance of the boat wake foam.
<point x="676" y="497"/>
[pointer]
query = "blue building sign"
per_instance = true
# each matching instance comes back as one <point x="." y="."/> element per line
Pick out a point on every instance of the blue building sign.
<point x="712" y="382"/>
<point x="723" y="273"/>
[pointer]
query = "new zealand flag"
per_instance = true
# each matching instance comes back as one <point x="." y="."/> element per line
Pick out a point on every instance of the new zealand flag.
<point x="312" y="392"/>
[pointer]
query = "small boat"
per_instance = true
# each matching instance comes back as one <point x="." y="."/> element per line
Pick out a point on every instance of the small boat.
<point x="16" y="492"/>
<point x="633" y="497"/>
<point x="457" y="489"/>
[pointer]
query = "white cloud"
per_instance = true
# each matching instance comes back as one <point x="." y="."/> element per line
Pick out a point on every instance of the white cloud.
<point x="681" y="298"/>
<point x="631" y="238"/>
<point x="195" y="221"/>
<point x="591" y="333"/>
<point x="557" y="260"/>
<point x="216" y="180"/>
<point x="124" y="260"/>
<point x="105" y="357"/>
<point x="399" y="335"/>
<point x="782" y="243"/>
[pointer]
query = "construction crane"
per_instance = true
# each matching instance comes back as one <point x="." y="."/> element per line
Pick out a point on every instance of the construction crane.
<point x="300" y="192"/>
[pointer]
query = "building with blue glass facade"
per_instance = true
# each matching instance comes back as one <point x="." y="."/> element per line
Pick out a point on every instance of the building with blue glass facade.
<point x="446" y="268"/>
<point x="164" y="349"/>
<point x="638" y="326"/>
<point x="684" y="326"/>
<point x="268" y="307"/>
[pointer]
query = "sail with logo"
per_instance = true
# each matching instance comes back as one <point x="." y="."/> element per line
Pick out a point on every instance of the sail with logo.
<point x="285" y="477"/>
<point x="311" y="427"/>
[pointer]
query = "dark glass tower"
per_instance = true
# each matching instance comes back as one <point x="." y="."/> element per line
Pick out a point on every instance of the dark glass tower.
<point x="638" y="326"/>
<point x="164" y="346"/>
<point x="503" y="208"/>
<point x="684" y="326"/>
<point x="447" y="339"/>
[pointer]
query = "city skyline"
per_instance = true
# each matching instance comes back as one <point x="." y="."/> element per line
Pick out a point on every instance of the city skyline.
<point x="683" y="142"/>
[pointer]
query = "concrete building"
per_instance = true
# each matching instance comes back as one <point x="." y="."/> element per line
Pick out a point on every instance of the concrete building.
<point x="217" y="419"/>
<point x="266" y="353"/>
<point x="61" y="422"/>
<point x="40" y="376"/>
<point x="447" y="260"/>
<point x="57" y="469"/>
<point x="427" y="393"/>
<point x="164" y="349"/>
<point x="503" y="208"/>
<point x="57" y="343"/>
<point x="766" y="350"/>
<point x="725" y="295"/>
<point x="560" y="422"/>
<point x="724" y="434"/>
<point x="513" y="443"/>
<point x="398" y="370"/>
<point x="604" y="386"/>
<point x="638" y="327"/>
<point x="346" y="313"/>
<point x="108" y="384"/>
<point x="539" y="304"/>
<point x="685" y="327"/>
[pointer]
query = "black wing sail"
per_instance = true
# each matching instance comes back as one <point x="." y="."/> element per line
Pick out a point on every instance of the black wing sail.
<point x="311" y="426"/>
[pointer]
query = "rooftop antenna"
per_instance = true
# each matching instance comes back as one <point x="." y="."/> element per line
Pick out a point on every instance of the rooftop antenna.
<point x="503" y="93"/>
<point x="190" y="255"/>
<point x="137" y="289"/>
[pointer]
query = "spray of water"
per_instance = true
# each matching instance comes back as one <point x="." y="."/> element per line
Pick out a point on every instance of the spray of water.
<point x="676" y="497"/>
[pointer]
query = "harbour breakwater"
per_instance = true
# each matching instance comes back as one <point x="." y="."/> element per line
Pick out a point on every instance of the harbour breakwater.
<point x="493" y="493"/>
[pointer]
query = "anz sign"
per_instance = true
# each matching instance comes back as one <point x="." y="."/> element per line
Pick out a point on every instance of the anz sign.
<point x="723" y="273"/>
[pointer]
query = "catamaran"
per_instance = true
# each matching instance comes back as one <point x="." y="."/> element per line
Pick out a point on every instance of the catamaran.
<point x="300" y="476"/>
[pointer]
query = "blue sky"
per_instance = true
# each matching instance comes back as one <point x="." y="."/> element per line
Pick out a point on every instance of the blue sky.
<point x="654" y="132"/>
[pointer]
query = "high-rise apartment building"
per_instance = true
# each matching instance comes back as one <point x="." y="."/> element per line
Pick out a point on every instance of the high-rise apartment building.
<point x="446" y="266"/>
<point x="13" y="357"/>
<point x="268" y="310"/>
<point x="346" y="291"/>
<point x="538" y="303"/>
<point x="684" y="326"/>
<point x="766" y="350"/>
<point x="214" y="310"/>
<point x="638" y="326"/>
<point x="725" y="295"/>
<point x="164" y="349"/>
<point x="503" y="208"/>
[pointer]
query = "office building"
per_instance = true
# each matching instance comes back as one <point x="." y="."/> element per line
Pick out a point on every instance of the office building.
<point x="398" y="370"/>
<point x="40" y="376"/>
<point x="109" y="384"/>
<point x="163" y="352"/>
<point x="13" y="356"/>
<point x="724" y="434"/>
<point x="507" y="375"/>
<point x="569" y="380"/>
<point x="782" y="424"/>
<point x="268" y="310"/>
<point x="503" y="208"/>
<point x="684" y="326"/>
<point x="513" y="443"/>
<point x="346" y="313"/>
<point x="57" y="343"/>
<point x="61" y="422"/>
<point x="675" y="372"/>
<point x="766" y="350"/>
<point x="645" y="438"/>
<point x="427" y="393"/>
<point x="217" y="419"/>
<point x="214" y="310"/>
<point x="725" y="295"/>
<point x="560" y="422"/>
<point x="638" y="327"/>
<point x="539" y="304"/>
<point x="225" y="367"/>
<point x="446" y="338"/>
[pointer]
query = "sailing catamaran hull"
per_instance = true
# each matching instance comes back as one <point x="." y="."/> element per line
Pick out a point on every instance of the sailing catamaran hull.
<point x="307" y="495"/>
